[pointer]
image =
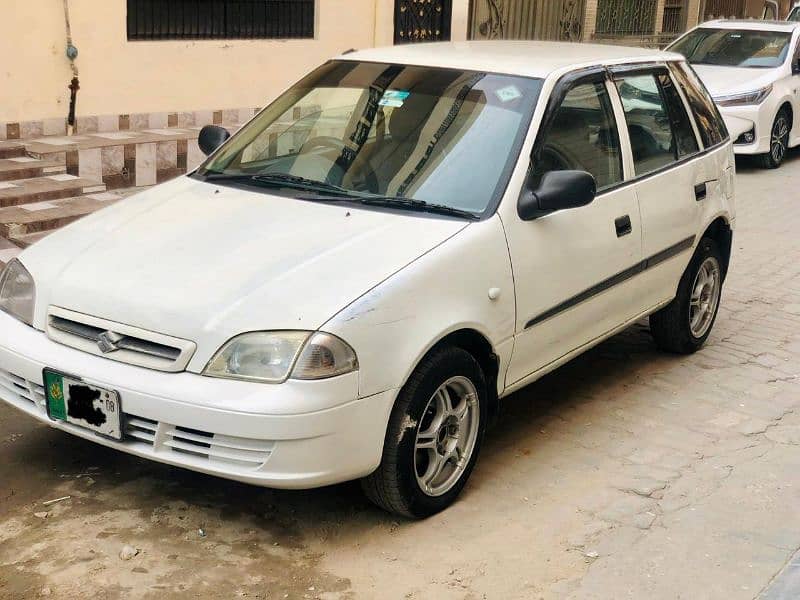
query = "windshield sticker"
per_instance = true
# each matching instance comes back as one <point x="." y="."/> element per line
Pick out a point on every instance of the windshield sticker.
<point x="509" y="93"/>
<point x="394" y="98"/>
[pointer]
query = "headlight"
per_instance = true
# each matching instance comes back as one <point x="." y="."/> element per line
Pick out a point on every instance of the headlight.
<point x="17" y="292"/>
<point x="745" y="99"/>
<point x="274" y="356"/>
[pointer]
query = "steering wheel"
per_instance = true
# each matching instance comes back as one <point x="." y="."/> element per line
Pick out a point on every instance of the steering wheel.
<point x="323" y="141"/>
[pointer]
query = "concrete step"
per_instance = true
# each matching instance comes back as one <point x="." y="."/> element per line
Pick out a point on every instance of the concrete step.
<point x="23" y="219"/>
<point x="127" y="158"/>
<point x="7" y="251"/>
<point x="11" y="149"/>
<point x="28" y="239"/>
<point x="49" y="187"/>
<point x="25" y="167"/>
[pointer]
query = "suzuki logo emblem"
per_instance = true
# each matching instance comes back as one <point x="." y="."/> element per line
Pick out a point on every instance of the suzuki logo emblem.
<point x="108" y="340"/>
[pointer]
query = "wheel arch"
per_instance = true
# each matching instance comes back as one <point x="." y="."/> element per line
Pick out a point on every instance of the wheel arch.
<point x="720" y="231"/>
<point x="787" y="106"/>
<point x="481" y="349"/>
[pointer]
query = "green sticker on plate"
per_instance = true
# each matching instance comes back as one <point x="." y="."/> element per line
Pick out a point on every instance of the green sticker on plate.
<point x="54" y="388"/>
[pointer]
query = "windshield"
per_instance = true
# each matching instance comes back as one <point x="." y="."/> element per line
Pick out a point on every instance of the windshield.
<point x="794" y="15"/>
<point x="734" y="47"/>
<point x="440" y="136"/>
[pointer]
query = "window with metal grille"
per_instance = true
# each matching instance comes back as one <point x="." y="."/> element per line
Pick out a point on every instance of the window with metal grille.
<point x="220" y="19"/>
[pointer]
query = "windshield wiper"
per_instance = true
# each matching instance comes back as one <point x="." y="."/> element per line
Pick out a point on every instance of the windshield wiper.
<point x="399" y="203"/>
<point x="281" y="180"/>
<point x="329" y="192"/>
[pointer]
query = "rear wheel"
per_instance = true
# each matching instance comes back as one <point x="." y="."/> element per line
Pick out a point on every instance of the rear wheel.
<point x="434" y="436"/>
<point x="779" y="141"/>
<point x="683" y="326"/>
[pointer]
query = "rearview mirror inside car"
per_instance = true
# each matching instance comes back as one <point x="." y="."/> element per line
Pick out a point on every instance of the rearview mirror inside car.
<point x="211" y="138"/>
<point x="558" y="190"/>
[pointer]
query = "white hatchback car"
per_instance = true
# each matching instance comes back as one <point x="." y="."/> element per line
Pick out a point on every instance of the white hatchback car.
<point x="752" y="69"/>
<point x="347" y="287"/>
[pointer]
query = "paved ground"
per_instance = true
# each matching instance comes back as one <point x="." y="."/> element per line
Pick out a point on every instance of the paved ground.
<point x="627" y="474"/>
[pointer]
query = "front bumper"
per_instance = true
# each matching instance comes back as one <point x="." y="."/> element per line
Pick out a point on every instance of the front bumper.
<point x="236" y="430"/>
<point x="741" y="119"/>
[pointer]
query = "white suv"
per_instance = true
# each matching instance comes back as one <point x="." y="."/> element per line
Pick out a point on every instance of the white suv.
<point x="348" y="286"/>
<point x="752" y="68"/>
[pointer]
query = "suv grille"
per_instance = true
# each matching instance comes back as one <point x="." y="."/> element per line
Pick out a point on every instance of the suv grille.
<point x="118" y="342"/>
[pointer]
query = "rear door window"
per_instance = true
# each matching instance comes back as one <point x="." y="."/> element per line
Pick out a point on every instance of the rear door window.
<point x="709" y="121"/>
<point x="685" y="139"/>
<point x="653" y="143"/>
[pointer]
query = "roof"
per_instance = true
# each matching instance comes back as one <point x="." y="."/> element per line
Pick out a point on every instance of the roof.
<point x="530" y="59"/>
<point x="751" y="25"/>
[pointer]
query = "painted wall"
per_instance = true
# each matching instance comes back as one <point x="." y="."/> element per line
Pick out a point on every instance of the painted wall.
<point x="119" y="77"/>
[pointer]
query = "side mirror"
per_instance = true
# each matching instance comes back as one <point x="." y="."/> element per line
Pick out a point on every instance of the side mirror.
<point x="211" y="138"/>
<point x="558" y="190"/>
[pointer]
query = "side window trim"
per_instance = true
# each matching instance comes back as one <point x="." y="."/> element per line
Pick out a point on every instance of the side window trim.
<point x="629" y="170"/>
<point x="685" y="72"/>
<point x="674" y="118"/>
<point x="686" y="106"/>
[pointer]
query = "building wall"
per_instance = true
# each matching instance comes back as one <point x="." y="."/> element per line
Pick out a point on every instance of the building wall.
<point x="117" y="76"/>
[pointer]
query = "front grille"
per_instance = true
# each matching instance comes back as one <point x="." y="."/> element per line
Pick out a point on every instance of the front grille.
<point x="118" y="342"/>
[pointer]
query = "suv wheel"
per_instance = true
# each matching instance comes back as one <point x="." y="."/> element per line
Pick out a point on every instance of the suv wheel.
<point x="779" y="141"/>
<point x="683" y="326"/>
<point x="434" y="436"/>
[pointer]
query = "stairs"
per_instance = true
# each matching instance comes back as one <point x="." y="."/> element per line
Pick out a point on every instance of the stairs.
<point x="49" y="181"/>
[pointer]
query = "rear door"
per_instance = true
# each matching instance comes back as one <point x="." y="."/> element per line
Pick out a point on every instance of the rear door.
<point x="672" y="178"/>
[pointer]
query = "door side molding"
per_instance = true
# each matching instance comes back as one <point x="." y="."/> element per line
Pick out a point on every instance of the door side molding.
<point x="614" y="280"/>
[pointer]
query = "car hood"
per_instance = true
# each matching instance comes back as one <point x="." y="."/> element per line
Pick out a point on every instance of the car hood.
<point x="724" y="81"/>
<point x="205" y="262"/>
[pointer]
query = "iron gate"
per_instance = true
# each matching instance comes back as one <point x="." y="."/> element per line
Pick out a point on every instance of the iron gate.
<point x="626" y="18"/>
<point x="527" y="19"/>
<point x="422" y="21"/>
<point x="716" y="9"/>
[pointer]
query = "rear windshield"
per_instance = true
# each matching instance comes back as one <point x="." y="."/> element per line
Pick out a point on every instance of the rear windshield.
<point x="734" y="47"/>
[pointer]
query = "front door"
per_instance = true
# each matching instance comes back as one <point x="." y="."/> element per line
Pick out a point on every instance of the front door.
<point x="422" y="21"/>
<point x="574" y="270"/>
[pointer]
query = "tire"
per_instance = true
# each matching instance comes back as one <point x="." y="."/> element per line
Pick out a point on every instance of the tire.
<point x="779" y="141"/>
<point x="674" y="327"/>
<point x="397" y="484"/>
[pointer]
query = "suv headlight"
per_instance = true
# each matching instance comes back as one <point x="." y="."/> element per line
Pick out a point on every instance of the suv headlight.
<point x="17" y="292"/>
<point x="745" y="99"/>
<point x="275" y="356"/>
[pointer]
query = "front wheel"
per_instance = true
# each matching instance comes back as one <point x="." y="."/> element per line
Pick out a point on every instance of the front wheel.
<point x="779" y="142"/>
<point x="434" y="436"/>
<point x="683" y="326"/>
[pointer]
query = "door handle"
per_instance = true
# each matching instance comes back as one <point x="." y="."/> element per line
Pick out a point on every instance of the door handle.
<point x="701" y="190"/>
<point x="624" y="226"/>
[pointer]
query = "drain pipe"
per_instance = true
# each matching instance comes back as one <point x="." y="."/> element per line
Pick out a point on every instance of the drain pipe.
<point x="74" y="86"/>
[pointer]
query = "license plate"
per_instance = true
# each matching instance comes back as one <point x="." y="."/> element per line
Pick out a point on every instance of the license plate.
<point x="71" y="400"/>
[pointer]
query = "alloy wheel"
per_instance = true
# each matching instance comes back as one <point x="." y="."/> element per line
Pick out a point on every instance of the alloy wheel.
<point x="705" y="297"/>
<point x="780" y="132"/>
<point x="446" y="436"/>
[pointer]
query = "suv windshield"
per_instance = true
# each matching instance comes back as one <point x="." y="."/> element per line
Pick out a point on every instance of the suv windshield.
<point x="445" y="137"/>
<point x="734" y="47"/>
